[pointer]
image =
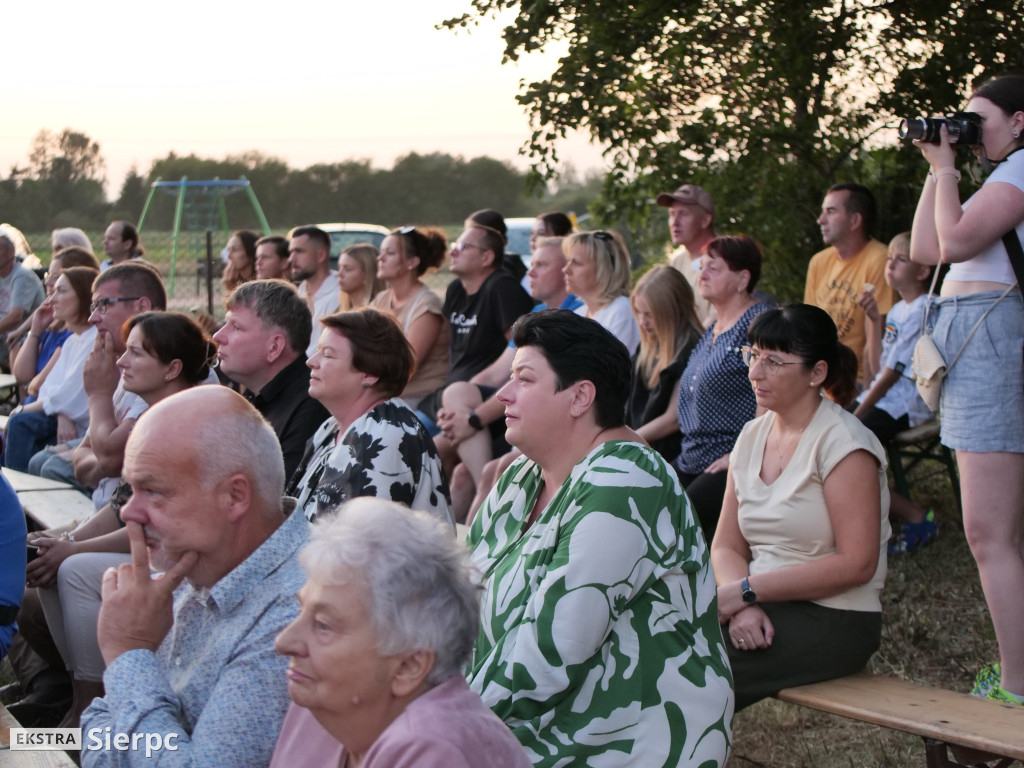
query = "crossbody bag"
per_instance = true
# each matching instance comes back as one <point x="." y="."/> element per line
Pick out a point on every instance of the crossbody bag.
<point x="929" y="368"/>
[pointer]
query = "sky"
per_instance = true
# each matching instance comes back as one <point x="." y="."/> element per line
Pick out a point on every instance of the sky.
<point x="306" y="81"/>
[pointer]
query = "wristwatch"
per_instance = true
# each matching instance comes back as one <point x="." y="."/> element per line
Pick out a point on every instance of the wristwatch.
<point x="749" y="596"/>
<point x="474" y="421"/>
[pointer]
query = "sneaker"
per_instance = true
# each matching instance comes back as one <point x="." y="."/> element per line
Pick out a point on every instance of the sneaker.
<point x="1002" y="695"/>
<point x="987" y="681"/>
<point x="912" y="536"/>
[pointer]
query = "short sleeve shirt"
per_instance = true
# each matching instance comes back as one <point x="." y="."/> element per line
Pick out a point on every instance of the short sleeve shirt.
<point x="715" y="397"/>
<point x="902" y="330"/>
<point x="479" y="322"/>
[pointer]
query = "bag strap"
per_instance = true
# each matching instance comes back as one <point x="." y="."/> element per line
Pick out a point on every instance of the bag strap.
<point x="1012" y="244"/>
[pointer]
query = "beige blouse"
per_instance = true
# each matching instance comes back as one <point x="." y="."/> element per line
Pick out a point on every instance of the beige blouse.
<point x="432" y="372"/>
<point x="787" y="523"/>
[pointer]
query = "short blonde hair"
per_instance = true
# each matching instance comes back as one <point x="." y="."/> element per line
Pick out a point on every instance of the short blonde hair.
<point x="610" y="256"/>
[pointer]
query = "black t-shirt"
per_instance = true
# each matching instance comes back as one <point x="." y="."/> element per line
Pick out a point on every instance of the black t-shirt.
<point x="479" y="322"/>
<point x="645" y="404"/>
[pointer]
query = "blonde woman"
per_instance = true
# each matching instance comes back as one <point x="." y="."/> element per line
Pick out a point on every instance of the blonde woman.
<point x="666" y="314"/>
<point x="358" y="282"/>
<point x="597" y="270"/>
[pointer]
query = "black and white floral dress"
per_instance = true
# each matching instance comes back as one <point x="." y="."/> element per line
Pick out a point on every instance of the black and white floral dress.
<point x="386" y="453"/>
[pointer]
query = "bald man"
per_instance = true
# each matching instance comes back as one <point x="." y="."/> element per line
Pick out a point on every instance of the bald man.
<point x="190" y="655"/>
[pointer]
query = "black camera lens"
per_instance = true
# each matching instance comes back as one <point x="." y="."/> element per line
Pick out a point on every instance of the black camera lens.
<point x="924" y="129"/>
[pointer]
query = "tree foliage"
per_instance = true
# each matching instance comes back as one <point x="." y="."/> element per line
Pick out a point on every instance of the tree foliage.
<point x="765" y="102"/>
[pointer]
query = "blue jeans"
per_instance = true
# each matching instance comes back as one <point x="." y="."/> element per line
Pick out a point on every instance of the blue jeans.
<point x="28" y="432"/>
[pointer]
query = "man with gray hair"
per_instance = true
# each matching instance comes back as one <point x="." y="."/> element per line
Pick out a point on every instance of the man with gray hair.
<point x="262" y="348"/>
<point x="190" y="655"/>
<point x="20" y="293"/>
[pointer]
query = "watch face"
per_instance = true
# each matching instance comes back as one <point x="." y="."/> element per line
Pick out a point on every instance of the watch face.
<point x="749" y="597"/>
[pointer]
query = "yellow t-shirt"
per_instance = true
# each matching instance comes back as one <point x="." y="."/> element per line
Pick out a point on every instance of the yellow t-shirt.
<point x="834" y="285"/>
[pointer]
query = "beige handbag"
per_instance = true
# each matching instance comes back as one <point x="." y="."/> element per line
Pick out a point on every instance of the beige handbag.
<point x="930" y="370"/>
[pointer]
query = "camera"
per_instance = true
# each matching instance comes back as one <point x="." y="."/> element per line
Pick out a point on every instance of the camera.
<point x="964" y="128"/>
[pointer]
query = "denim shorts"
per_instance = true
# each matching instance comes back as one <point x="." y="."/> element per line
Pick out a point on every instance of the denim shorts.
<point x="982" y="403"/>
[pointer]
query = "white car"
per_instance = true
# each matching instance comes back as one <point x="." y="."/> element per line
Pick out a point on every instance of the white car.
<point x="345" y="234"/>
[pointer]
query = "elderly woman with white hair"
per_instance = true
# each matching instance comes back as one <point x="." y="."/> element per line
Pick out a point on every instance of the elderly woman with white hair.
<point x="387" y="620"/>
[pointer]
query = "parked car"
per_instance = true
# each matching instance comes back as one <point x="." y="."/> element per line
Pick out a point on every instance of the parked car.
<point x="344" y="235"/>
<point x="519" y="237"/>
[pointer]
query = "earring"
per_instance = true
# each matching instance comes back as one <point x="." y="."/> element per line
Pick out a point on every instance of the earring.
<point x="1016" y="134"/>
<point x="366" y="385"/>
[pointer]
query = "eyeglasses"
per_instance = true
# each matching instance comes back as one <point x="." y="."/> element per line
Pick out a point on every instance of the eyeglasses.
<point x="102" y="305"/>
<point x="405" y="230"/>
<point x="769" y="365"/>
<point x="600" y="234"/>
<point x="460" y="247"/>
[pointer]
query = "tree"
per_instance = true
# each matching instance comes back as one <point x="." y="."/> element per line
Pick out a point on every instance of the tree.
<point x="66" y="157"/>
<point x="63" y="182"/>
<point x="132" y="197"/>
<point x="765" y="102"/>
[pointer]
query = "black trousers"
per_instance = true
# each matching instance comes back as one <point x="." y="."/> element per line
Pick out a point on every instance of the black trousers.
<point x="812" y="643"/>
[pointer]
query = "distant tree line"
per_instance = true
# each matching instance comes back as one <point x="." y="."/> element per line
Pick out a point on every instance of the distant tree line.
<point x="62" y="184"/>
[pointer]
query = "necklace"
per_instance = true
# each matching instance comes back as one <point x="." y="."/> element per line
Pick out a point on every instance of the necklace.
<point x="784" y="449"/>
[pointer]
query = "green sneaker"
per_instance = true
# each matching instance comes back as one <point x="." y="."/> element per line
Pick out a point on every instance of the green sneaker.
<point x="1001" y="694"/>
<point x="987" y="680"/>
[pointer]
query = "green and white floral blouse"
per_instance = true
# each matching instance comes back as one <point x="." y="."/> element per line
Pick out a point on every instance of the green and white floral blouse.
<point x="600" y="643"/>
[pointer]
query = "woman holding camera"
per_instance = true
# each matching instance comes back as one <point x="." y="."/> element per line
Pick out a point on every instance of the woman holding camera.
<point x="980" y="316"/>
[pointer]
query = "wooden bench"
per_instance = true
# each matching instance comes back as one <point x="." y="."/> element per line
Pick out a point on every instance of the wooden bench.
<point x="921" y="443"/>
<point x="26" y="759"/>
<point x="56" y="508"/>
<point x="946" y="720"/>
<point x="49" y="503"/>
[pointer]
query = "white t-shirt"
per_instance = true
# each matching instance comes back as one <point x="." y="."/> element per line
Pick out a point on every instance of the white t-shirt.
<point x="616" y="317"/>
<point x="903" y="326"/>
<point x="62" y="392"/>
<point x="326" y="302"/>
<point x="993" y="264"/>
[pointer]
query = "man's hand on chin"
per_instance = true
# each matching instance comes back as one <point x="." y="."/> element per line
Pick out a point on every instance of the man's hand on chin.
<point x="137" y="609"/>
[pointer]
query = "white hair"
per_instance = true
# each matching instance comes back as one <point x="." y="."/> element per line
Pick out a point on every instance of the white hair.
<point x="66" y="237"/>
<point x="420" y="594"/>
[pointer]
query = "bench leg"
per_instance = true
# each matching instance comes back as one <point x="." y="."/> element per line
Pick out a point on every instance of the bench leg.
<point x="899" y="473"/>
<point x="937" y="756"/>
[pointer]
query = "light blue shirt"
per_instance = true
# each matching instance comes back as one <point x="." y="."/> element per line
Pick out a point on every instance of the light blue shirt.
<point x="215" y="681"/>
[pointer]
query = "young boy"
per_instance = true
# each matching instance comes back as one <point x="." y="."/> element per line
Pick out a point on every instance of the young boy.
<point x="892" y="403"/>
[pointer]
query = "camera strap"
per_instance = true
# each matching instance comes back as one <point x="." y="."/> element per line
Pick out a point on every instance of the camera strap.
<point x="1013" y="249"/>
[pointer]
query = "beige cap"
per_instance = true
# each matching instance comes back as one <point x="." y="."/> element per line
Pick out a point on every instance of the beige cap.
<point x="690" y="194"/>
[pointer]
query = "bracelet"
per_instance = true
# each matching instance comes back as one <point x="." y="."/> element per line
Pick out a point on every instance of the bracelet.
<point x="936" y="175"/>
<point x="66" y="536"/>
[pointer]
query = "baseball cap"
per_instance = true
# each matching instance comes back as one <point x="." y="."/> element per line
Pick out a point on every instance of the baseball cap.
<point x="689" y="194"/>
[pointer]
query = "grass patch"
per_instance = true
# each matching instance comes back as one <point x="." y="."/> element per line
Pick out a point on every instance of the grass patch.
<point x="936" y="631"/>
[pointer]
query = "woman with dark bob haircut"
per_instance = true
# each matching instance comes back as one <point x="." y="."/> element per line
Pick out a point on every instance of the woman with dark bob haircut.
<point x="597" y="586"/>
<point x="799" y="553"/>
<point x="715" y="400"/>
<point x="373" y="444"/>
<point x="979" y="320"/>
